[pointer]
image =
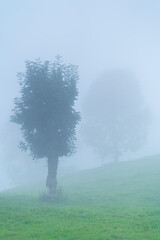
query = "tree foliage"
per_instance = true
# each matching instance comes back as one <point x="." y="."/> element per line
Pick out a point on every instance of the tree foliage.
<point x="45" y="109"/>
<point x="115" y="116"/>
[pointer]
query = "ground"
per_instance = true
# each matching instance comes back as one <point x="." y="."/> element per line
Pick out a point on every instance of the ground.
<point x="114" y="202"/>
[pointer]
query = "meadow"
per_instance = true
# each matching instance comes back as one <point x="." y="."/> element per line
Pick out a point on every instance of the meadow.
<point x="114" y="202"/>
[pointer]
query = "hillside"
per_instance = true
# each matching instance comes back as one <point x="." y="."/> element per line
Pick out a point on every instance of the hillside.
<point x="116" y="201"/>
<point x="135" y="182"/>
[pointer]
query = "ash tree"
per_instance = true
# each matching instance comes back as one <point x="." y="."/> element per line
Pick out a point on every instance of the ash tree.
<point x="115" y="116"/>
<point x="46" y="114"/>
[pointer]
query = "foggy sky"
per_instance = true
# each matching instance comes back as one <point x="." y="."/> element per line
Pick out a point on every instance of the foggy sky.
<point x="95" y="35"/>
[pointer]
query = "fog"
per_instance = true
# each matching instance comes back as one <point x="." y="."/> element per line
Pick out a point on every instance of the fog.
<point x="95" y="35"/>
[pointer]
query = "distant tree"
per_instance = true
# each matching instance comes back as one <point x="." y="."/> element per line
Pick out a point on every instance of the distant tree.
<point x="45" y="112"/>
<point x="115" y="118"/>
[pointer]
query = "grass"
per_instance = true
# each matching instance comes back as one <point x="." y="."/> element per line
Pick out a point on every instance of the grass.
<point x="117" y="201"/>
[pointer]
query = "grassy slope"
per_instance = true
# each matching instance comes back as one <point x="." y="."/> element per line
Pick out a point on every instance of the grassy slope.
<point x="119" y="201"/>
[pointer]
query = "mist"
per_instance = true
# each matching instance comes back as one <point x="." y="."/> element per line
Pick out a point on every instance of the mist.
<point x="95" y="35"/>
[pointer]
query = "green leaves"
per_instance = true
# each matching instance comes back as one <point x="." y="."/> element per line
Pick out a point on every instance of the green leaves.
<point x="45" y="110"/>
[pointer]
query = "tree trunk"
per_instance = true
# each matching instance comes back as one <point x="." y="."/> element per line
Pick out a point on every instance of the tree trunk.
<point x="51" y="182"/>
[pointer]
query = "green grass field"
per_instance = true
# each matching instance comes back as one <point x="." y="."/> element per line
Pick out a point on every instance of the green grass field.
<point x="114" y="202"/>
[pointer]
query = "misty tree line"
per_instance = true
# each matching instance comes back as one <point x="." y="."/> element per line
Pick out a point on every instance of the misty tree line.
<point x="115" y="118"/>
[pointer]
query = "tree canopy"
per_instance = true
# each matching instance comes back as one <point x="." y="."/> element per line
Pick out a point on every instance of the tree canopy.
<point x="115" y="116"/>
<point x="45" y="110"/>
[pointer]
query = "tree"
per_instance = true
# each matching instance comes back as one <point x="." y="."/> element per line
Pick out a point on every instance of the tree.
<point x="45" y="112"/>
<point x="115" y="117"/>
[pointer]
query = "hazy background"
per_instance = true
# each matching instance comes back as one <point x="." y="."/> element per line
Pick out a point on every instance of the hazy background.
<point x="96" y="36"/>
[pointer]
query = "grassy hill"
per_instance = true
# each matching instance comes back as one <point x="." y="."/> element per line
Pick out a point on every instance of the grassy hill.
<point x="114" y="202"/>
